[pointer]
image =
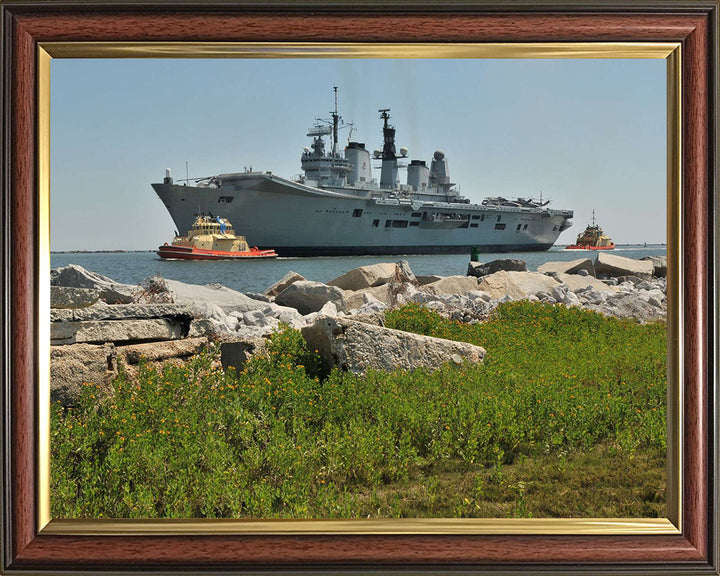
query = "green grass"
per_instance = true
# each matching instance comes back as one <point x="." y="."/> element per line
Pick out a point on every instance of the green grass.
<point x="566" y="417"/>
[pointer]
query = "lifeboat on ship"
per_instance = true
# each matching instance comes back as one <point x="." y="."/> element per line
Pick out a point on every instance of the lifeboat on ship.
<point x="212" y="238"/>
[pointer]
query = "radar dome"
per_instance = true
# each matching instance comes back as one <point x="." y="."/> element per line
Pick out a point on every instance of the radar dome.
<point x="403" y="151"/>
<point x="377" y="153"/>
<point x="306" y="150"/>
<point x="439" y="155"/>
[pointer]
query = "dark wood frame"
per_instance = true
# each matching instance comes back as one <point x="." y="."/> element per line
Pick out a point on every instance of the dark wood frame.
<point x="26" y="23"/>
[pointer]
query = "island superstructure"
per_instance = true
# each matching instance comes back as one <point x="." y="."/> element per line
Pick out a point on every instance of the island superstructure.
<point x="337" y="207"/>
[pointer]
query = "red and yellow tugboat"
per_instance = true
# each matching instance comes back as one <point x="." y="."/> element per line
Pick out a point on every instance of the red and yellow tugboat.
<point x="592" y="239"/>
<point x="211" y="239"/>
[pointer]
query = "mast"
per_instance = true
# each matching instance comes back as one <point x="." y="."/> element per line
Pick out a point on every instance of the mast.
<point x="336" y="120"/>
<point x="388" y="173"/>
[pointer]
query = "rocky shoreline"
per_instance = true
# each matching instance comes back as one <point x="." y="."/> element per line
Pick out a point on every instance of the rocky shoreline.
<point x="96" y="322"/>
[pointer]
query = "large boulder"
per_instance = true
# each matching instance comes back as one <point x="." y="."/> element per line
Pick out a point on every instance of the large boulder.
<point x="177" y="312"/>
<point x="365" y="276"/>
<point x="578" y="283"/>
<point x="452" y="285"/>
<point x="424" y="280"/>
<point x="568" y="267"/>
<point x="659" y="265"/>
<point x="611" y="265"/>
<point x="66" y="297"/>
<point x="356" y="298"/>
<point x="160" y="351"/>
<point x="71" y="367"/>
<point x="74" y="276"/>
<point x="283" y="283"/>
<point x="199" y="297"/>
<point x="358" y="347"/>
<point x="307" y="296"/>
<point x="100" y="331"/>
<point x="516" y="285"/>
<point x="478" y="269"/>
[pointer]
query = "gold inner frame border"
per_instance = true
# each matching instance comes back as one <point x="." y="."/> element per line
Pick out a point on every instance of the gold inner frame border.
<point x="671" y="52"/>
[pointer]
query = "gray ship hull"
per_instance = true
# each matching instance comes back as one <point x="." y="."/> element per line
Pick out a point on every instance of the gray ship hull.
<point x="300" y="220"/>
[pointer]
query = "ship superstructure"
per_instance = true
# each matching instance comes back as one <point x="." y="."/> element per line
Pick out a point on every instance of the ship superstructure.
<point x="337" y="207"/>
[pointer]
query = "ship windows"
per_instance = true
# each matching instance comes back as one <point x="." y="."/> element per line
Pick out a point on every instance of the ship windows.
<point x="225" y="199"/>
<point x="498" y="218"/>
<point x="416" y="214"/>
<point x="396" y="223"/>
<point x="376" y="223"/>
<point x="525" y="227"/>
<point x="482" y="218"/>
<point x="415" y="223"/>
<point x="357" y="212"/>
<point x="388" y="223"/>
<point x="519" y="227"/>
<point x="476" y="217"/>
<point x="473" y="225"/>
<point x="500" y="226"/>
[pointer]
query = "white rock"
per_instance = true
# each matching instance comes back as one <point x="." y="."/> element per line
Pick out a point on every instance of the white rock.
<point x="283" y="283"/>
<point x="571" y="300"/>
<point x="254" y="318"/>
<point x="453" y="285"/>
<point x="328" y="309"/>
<point x="365" y="276"/>
<point x="575" y="282"/>
<point x="479" y="295"/>
<point x="74" y="276"/>
<point x="559" y="292"/>
<point x="517" y="285"/>
<point x="307" y="296"/>
<point x="568" y="267"/>
<point x="358" y="347"/>
<point x="613" y="265"/>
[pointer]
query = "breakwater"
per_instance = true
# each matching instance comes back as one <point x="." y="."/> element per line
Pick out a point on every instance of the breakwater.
<point x="162" y="319"/>
<point x="255" y="276"/>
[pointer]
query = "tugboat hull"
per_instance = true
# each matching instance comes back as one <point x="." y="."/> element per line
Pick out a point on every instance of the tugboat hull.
<point x="188" y="253"/>
<point x="610" y="247"/>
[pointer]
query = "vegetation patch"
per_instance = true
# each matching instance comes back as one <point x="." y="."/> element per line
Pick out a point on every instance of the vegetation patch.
<point x="566" y="417"/>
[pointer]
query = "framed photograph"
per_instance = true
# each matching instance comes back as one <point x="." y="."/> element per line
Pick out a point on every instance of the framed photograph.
<point x="683" y="34"/>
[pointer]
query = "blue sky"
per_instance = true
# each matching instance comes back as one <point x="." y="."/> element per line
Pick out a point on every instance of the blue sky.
<point x="588" y="134"/>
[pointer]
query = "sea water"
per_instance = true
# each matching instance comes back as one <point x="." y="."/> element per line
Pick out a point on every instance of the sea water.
<point x="256" y="275"/>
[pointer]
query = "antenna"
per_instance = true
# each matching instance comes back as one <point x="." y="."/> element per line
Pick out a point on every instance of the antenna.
<point x="187" y="172"/>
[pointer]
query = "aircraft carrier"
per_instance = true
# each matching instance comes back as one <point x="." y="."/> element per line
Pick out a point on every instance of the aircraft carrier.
<point x="337" y="207"/>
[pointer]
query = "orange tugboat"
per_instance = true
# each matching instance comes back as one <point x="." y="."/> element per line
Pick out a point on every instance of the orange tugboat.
<point x="211" y="239"/>
<point x="592" y="239"/>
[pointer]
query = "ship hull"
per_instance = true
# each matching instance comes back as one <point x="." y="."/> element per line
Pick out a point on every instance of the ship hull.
<point x="299" y="220"/>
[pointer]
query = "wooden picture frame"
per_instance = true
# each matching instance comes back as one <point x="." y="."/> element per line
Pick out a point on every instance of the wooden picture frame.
<point x="30" y="545"/>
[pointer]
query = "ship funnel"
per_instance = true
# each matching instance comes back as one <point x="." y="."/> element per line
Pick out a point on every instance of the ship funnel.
<point x="418" y="174"/>
<point x="360" y="165"/>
